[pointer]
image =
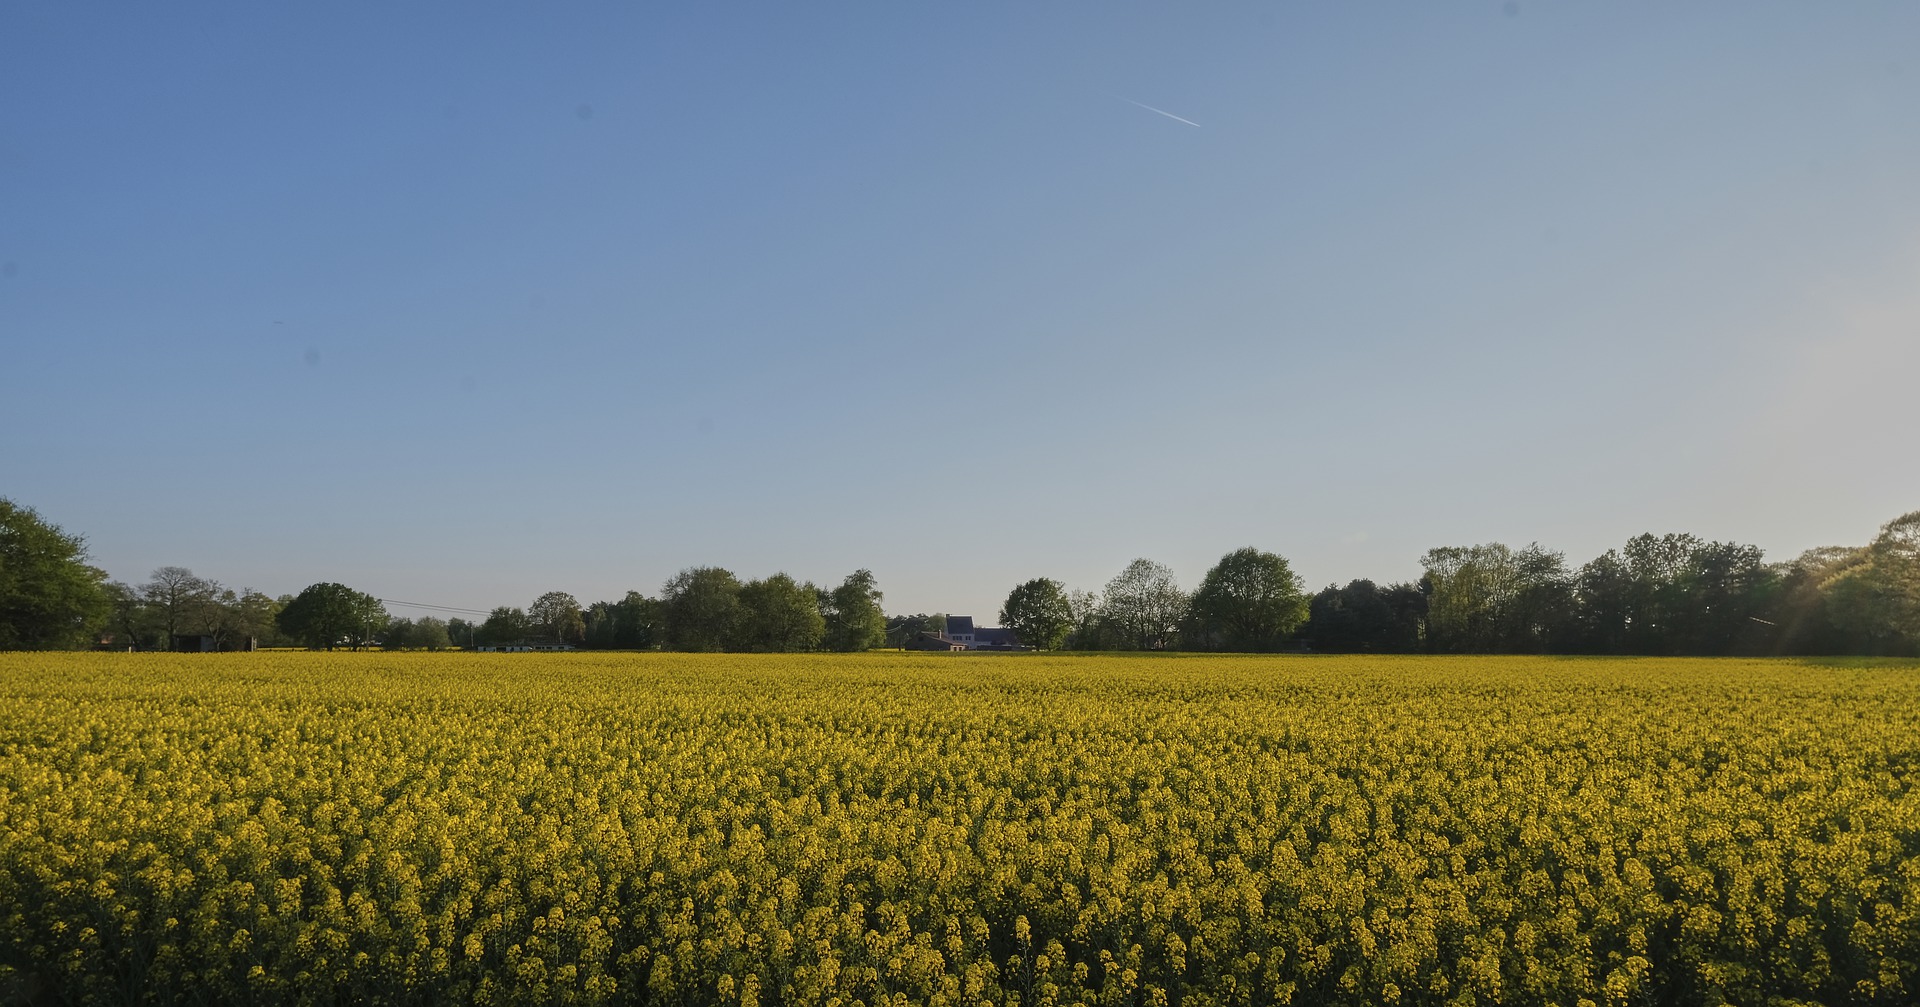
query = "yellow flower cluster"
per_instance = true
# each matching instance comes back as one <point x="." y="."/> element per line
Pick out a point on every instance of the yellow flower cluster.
<point x="869" y="830"/>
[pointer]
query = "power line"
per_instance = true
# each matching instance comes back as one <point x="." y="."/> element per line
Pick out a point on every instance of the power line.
<point x="436" y="608"/>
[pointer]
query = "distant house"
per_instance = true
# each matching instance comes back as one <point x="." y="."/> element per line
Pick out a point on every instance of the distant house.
<point x="964" y="635"/>
<point x="521" y="648"/>
<point x="960" y="630"/>
<point x="934" y="642"/>
<point x="995" y="638"/>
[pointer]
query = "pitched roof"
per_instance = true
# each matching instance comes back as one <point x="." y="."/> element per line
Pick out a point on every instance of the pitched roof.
<point x="959" y="624"/>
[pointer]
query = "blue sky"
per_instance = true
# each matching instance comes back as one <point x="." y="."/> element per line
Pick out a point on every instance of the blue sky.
<point x="465" y="303"/>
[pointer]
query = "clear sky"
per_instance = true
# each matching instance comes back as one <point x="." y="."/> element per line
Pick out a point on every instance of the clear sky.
<point x="462" y="303"/>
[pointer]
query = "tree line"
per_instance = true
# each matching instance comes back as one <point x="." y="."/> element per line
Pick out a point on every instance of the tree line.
<point x="699" y="609"/>
<point x="1656" y="594"/>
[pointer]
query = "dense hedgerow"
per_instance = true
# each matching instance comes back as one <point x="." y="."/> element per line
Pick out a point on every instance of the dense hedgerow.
<point x="868" y="830"/>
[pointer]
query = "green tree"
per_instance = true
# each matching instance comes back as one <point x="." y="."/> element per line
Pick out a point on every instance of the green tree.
<point x="1539" y="614"/>
<point x="855" y="620"/>
<point x="424" y="633"/>
<point x="180" y="602"/>
<point x="904" y="628"/>
<point x="129" y="621"/>
<point x="220" y="616"/>
<point x="1250" y="601"/>
<point x="1144" y="606"/>
<point x="637" y="622"/>
<point x="1468" y="588"/>
<point x="1604" y="608"/>
<point x="504" y="625"/>
<point x="632" y="623"/>
<point x="1089" y="631"/>
<point x="328" y="615"/>
<point x="1366" y="618"/>
<point x="1680" y="594"/>
<point x="1802" y="612"/>
<point x="430" y="633"/>
<point x="49" y="596"/>
<point x="398" y="635"/>
<point x="1492" y="599"/>
<point x="1877" y="597"/>
<point x="1726" y="588"/>
<point x="1895" y="556"/>
<point x="699" y="607"/>
<point x="1039" y="613"/>
<point x="778" y="614"/>
<point x="557" y="615"/>
<point x="252" y="613"/>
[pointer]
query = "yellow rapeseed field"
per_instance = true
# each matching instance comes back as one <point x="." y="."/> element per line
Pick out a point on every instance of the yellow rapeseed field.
<point x="931" y="829"/>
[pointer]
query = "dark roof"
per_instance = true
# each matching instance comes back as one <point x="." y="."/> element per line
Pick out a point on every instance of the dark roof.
<point x="994" y="634"/>
<point x="959" y="624"/>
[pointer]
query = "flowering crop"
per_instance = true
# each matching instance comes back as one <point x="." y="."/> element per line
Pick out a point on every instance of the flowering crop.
<point x="874" y="830"/>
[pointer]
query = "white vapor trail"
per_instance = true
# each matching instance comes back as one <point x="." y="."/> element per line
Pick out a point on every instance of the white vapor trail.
<point x="1162" y="111"/>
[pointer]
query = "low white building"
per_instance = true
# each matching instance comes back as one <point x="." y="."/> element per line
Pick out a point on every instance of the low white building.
<point x="961" y="630"/>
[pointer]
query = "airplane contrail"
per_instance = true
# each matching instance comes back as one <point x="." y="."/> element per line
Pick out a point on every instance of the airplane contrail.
<point x="1162" y="111"/>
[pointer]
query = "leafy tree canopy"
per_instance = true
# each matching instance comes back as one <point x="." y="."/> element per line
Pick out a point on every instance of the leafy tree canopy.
<point x="1143" y="606"/>
<point x="1365" y="617"/>
<point x="632" y="623"/>
<point x="1250" y="601"/>
<point x="901" y="629"/>
<point x="855" y="620"/>
<point x="557" y="615"/>
<point x="1039" y="613"/>
<point x="325" y="616"/>
<point x="779" y="614"/>
<point x="504" y="625"/>
<point x="49" y="596"/>
<point x="700" y="607"/>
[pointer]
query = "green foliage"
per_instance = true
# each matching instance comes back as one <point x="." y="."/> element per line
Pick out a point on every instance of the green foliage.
<point x="325" y="616"/>
<point x="1492" y="599"/>
<point x="1676" y="594"/>
<point x="1876" y="595"/>
<point x="1089" y="631"/>
<point x="251" y="613"/>
<point x="49" y="597"/>
<point x="425" y="633"/>
<point x="1039" y="614"/>
<point x="700" y="609"/>
<point x="177" y="602"/>
<point x="180" y="602"/>
<point x="632" y="623"/>
<point x="888" y="829"/>
<point x="1896" y="554"/>
<point x="503" y="626"/>
<point x="1364" y="617"/>
<point x="1142" y="607"/>
<point x="556" y="616"/>
<point x="778" y="615"/>
<point x="1250" y="601"/>
<point x="903" y="628"/>
<point x="130" y="625"/>
<point x="855" y="620"/>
